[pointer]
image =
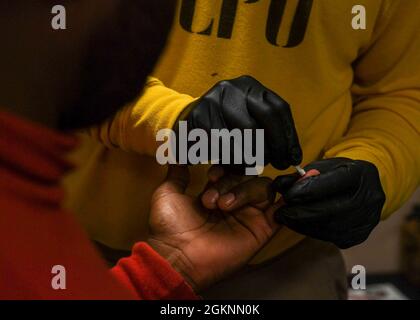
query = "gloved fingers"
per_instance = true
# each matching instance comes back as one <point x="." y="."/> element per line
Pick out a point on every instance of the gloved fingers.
<point x="340" y="221"/>
<point x="326" y="210"/>
<point x="326" y="165"/>
<point x="234" y="106"/>
<point x="343" y="240"/>
<point x="283" y="183"/>
<point x="319" y="229"/>
<point x="294" y="148"/>
<point x="205" y="115"/>
<point x="273" y="114"/>
<point x="339" y="180"/>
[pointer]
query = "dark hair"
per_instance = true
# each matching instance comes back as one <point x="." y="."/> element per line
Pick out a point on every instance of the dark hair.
<point x="121" y="54"/>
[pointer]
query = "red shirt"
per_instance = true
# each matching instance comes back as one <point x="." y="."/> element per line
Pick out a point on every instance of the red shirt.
<point x="36" y="233"/>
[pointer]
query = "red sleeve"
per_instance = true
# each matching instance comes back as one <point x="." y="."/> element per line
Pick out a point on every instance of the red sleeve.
<point x="41" y="245"/>
<point x="151" y="277"/>
<point x="34" y="238"/>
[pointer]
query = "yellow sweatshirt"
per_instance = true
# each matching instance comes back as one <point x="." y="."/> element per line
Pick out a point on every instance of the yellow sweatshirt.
<point x="353" y="92"/>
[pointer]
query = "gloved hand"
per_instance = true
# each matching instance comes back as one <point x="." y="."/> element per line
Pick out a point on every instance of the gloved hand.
<point x="244" y="103"/>
<point x="342" y="204"/>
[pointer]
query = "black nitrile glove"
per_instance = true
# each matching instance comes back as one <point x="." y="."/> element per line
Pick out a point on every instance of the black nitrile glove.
<point x="244" y="103"/>
<point x="341" y="205"/>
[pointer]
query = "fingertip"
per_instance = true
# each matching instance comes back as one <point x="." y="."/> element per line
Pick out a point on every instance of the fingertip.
<point x="296" y="155"/>
<point x="226" y="202"/>
<point x="213" y="179"/>
<point x="310" y="173"/>
<point x="280" y="164"/>
<point x="209" y="199"/>
<point x="215" y="173"/>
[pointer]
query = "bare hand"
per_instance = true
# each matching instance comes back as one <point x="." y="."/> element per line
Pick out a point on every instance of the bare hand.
<point x="229" y="191"/>
<point x="204" y="247"/>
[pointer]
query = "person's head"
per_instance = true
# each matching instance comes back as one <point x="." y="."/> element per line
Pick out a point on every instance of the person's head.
<point x="81" y="75"/>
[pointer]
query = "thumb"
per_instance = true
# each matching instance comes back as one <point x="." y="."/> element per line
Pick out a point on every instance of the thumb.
<point x="177" y="179"/>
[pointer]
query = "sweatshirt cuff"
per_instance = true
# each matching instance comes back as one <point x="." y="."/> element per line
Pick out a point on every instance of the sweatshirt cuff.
<point x="151" y="277"/>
